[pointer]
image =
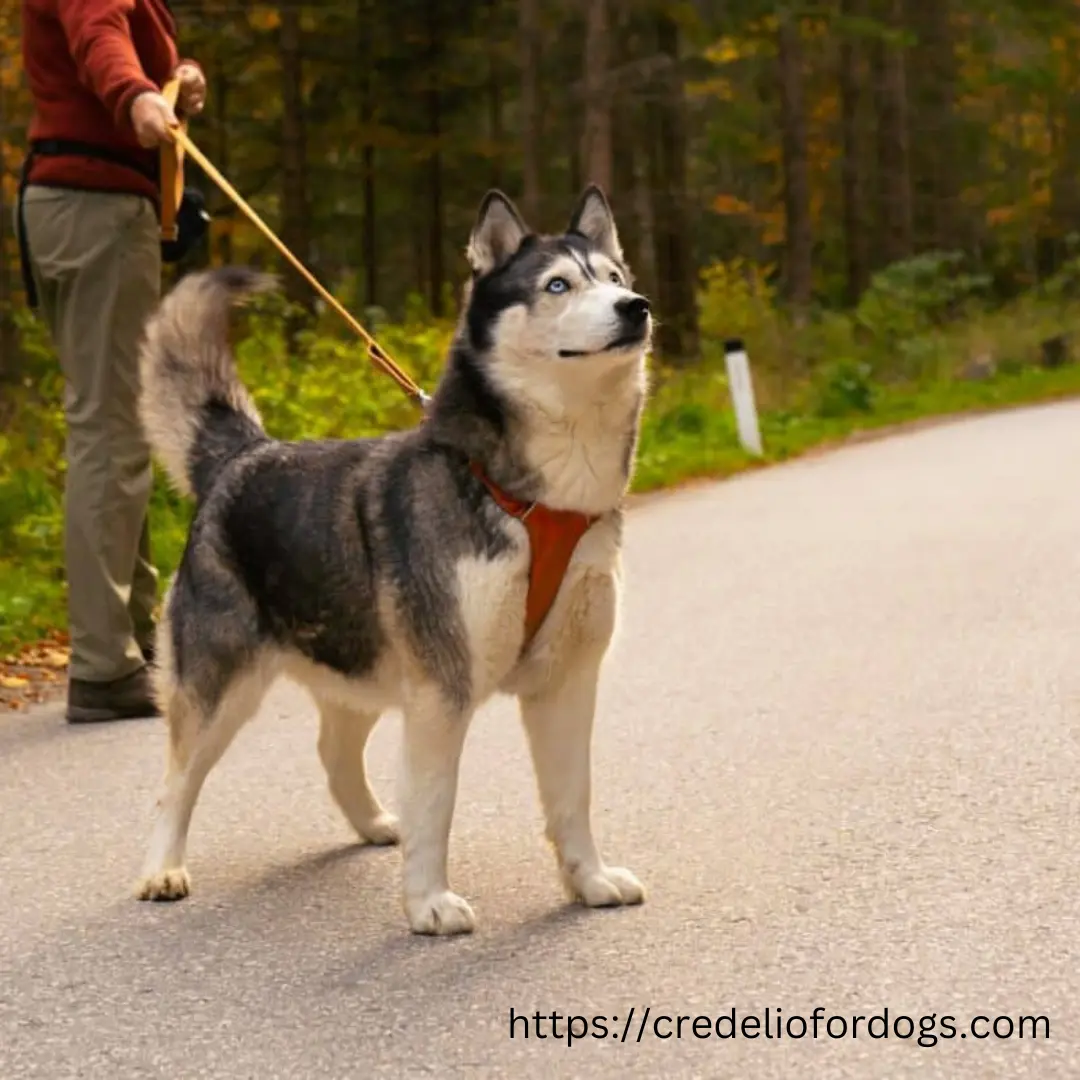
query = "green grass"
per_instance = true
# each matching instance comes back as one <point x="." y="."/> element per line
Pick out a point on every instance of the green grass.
<point x="688" y="433"/>
<point x="31" y="603"/>
<point x="697" y="439"/>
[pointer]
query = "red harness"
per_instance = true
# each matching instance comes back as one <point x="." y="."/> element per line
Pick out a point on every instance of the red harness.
<point x="553" y="536"/>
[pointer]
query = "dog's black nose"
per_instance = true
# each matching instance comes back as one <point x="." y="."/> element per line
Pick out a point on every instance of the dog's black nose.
<point x="634" y="309"/>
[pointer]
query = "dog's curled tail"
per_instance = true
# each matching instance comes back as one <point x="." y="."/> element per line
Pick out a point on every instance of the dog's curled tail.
<point x="195" y="411"/>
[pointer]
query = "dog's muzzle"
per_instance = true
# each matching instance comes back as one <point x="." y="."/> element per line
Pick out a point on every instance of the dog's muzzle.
<point x="634" y="312"/>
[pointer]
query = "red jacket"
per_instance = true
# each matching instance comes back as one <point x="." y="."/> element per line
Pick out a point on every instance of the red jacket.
<point x="86" y="61"/>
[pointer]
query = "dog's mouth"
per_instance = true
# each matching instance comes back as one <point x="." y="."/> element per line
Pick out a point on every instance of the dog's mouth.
<point x="627" y="341"/>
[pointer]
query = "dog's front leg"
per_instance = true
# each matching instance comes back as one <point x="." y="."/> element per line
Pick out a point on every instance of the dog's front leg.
<point x="433" y="739"/>
<point x="559" y="724"/>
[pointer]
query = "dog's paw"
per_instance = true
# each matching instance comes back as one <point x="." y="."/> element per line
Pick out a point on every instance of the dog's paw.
<point x="382" y="830"/>
<point x="165" y="885"/>
<point x="609" y="886"/>
<point x="441" y="913"/>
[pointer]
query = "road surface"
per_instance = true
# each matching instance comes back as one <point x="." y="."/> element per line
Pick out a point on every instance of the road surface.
<point x="839" y="741"/>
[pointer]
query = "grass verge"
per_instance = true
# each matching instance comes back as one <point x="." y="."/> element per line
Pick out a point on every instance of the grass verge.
<point x="688" y="433"/>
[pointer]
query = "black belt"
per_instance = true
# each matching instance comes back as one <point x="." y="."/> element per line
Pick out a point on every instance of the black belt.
<point x="63" y="148"/>
<point x="74" y="148"/>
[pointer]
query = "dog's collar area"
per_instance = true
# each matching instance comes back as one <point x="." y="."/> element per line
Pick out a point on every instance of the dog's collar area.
<point x="553" y="536"/>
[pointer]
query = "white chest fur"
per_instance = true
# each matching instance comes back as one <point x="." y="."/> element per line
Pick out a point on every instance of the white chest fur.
<point x="491" y="599"/>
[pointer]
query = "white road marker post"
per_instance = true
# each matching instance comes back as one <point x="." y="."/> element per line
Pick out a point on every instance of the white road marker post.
<point x="742" y="396"/>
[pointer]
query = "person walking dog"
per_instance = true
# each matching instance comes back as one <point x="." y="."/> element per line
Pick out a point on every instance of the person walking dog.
<point x="92" y="255"/>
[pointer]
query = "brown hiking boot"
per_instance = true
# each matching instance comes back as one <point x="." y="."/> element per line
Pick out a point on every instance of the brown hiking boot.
<point x="129" y="698"/>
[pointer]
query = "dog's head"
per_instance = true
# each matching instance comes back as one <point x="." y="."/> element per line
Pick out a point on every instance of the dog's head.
<point x="553" y="309"/>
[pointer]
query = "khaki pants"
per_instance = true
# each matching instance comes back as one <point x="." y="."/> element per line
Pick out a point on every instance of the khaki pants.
<point x="96" y="261"/>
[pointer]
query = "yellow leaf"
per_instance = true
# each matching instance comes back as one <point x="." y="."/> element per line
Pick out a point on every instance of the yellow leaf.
<point x="716" y="87"/>
<point x="731" y="204"/>
<point x="13" y="682"/>
<point x="264" y="18"/>
<point x="725" y="51"/>
<point x="775" y="227"/>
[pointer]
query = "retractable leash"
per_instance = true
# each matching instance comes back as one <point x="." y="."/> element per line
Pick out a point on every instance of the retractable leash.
<point x="172" y="190"/>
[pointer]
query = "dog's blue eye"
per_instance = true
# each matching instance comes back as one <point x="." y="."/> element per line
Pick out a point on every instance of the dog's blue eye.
<point x="557" y="285"/>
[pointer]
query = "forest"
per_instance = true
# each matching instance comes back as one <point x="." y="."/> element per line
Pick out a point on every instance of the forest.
<point x="881" y="197"/>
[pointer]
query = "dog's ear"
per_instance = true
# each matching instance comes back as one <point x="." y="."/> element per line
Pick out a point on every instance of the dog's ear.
<point x="594" y="220"/>
<point x="497" y="234"/>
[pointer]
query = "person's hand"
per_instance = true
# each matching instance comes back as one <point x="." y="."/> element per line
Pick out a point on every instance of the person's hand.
<point x="153" y="119"/>
<point x="192" y="95"/>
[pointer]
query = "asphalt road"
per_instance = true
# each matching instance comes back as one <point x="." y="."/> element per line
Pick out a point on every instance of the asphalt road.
<point x="839" y="741"/>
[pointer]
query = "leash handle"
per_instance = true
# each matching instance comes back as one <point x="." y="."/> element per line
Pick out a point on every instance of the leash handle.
<point x="172" y="170"/>
<point x="172" y="180"/>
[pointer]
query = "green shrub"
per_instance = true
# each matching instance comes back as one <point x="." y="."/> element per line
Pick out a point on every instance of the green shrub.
<point x="844" y="388"/>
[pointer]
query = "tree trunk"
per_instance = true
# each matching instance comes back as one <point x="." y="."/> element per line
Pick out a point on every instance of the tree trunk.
<point x="221" y="123"/>
<point x="217" y="68"/>
<point x="7" y="328"/>
<point x="937" y="169"/>
<point x="369" y="233"/>
<point x="596" y="151"/>
<point x="856" y="226"/>
<point x="1064" y="216"/>
<point x="894" y="180"/>
<point x="436" y="269"/>
<point x="495" y="110"/>
<point x="798" y="237"/>
<point x="531" y="120"/>
<point x="418" y="230"/>
<point x="627" y="156"/>
<point x="295" y="225"/>
<point x="627" y="151"/>
<point x="677" y="334"/>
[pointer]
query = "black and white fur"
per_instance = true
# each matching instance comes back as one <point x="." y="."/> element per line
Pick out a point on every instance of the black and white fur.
<point x="380" y="573"/>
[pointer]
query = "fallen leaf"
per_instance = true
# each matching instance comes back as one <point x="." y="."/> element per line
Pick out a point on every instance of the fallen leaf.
<point x="13" y="682"/>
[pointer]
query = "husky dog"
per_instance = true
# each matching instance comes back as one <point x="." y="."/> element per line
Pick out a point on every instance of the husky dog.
<point x="382" y="573"/>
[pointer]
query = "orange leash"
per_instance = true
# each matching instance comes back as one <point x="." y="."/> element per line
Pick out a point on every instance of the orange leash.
<point x="172" y="189"/>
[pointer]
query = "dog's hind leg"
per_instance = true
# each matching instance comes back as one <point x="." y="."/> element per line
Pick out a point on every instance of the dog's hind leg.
<point x="343" y="736"/>
<point x="197" y="739"/>
<point x="434" y="735"/>
<point x="559" y="725"/>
